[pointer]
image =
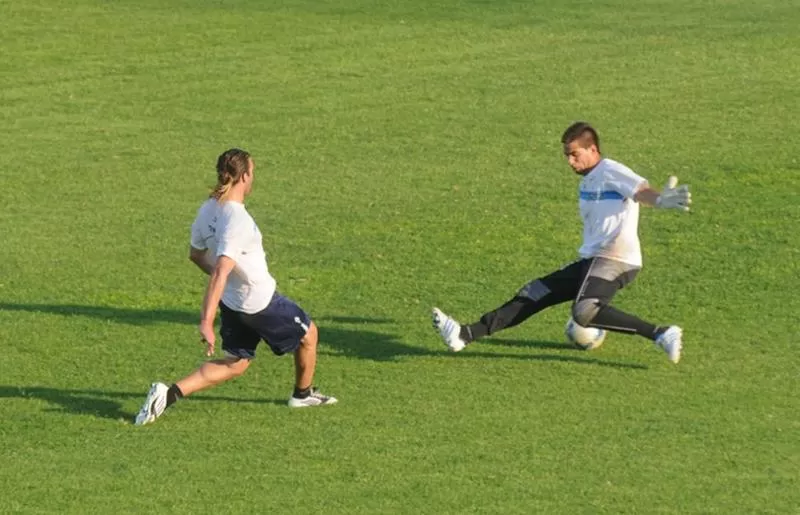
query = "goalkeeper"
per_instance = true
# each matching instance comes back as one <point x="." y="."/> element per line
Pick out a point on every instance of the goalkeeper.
<point x="610" y="256"/>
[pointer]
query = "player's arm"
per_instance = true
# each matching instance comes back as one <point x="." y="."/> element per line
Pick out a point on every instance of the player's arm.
<point x="216" y="284"/>
<point x="198" y="249"/>
<point x="199" y="258"/>
<point x="671" y="197"/>
<point x="647" y="195"/>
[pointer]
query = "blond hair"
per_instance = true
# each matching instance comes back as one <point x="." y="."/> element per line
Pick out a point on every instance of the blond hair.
<point x="231" y="166"/>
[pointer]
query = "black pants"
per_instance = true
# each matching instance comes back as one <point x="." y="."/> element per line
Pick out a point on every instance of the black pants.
<point x="589" y="283"/>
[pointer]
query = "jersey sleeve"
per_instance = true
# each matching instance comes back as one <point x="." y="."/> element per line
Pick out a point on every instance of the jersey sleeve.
<point x="233" y="235"/>
<point x="197" y="241"/>
<point x="624" y="181"/>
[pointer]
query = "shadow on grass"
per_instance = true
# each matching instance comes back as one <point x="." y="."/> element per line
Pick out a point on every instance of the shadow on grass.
<point x="566" y="348"/>
<point x="348" y="342"/>
<point x="553" y="357"/>
<point x="356" y="343"/>
<point x="101" y="403"/>
<point x="122" y="315"/>
<point x="134" y="316"/>
<point x="383" y="347"/>
<point x="527" y="344"/>
<point x="354" y="320"/>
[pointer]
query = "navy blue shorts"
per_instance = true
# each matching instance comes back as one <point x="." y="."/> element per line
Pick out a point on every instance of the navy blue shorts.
<point x="282" y="324"/>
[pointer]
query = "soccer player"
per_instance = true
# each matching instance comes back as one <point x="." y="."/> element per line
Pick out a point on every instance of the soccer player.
<point x="610" y="257"/>
<point x="226" y="245"/>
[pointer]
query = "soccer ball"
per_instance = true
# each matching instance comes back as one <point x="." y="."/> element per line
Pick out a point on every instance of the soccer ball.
<point x="586" y="338"/>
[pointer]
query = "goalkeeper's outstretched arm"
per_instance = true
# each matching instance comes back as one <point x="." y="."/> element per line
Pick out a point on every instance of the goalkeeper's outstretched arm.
<point x="671" y="197"/>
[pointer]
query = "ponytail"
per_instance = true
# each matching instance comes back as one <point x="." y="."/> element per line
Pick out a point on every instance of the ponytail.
<point x="231" y="166"/>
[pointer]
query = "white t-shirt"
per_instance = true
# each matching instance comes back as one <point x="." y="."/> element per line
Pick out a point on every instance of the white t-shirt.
<point x="610" y="215"/>
<point x="227" y="229"/>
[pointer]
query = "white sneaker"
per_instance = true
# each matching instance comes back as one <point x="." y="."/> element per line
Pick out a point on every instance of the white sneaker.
<point x="154" y="405"/>
<point x="671" y="341"/>
<point x="449" y="330"/>
<point x="314" y="399"/>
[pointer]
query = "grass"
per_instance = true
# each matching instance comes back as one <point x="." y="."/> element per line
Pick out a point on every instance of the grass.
<point x="407" y="157"/>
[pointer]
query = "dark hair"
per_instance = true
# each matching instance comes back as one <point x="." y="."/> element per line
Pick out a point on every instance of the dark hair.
<point x="231" y="165"/>
<point x="582" y="131"/>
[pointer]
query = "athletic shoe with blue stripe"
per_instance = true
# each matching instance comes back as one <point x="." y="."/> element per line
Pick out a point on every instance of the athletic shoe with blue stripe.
<point x="449" y="330"/>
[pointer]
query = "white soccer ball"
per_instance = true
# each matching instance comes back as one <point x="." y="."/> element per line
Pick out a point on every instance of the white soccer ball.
<point x="586" y="338"/>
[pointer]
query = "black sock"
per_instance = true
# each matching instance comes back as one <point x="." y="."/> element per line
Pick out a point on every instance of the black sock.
<point x="173" y="394"/>
<point x="609" y="317"/>
<point x="301" y="393"/>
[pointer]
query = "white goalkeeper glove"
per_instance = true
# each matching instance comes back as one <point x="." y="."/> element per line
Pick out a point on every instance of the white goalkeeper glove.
<point x="674" y="196"/>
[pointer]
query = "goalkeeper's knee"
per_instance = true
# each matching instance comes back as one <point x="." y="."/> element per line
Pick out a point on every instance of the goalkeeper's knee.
<point x="584" y="311"/>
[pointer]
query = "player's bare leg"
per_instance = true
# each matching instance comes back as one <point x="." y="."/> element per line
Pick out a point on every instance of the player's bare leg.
<point x="211" y="373"/>
<point x="305" y="363"/>
<point x="305" y="358"/>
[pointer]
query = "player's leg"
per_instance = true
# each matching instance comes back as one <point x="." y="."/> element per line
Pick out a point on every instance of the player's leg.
<point x="239" y="343"/>
<point x="288" y="329"/>
<point x="555" y="288"/>
<point x="305" y="359"/>
<point x="603" y="278"/>
<point x="212" y="373"/>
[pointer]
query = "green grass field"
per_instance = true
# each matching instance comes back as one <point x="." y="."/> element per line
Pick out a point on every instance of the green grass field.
<point x="408" y="156"/>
